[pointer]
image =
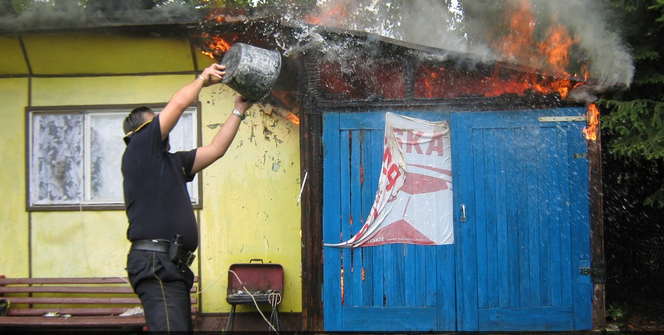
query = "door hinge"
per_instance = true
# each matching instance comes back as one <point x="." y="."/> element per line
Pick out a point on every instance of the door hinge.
<point x="581" y="156"/>
<point x="597" y="272"/>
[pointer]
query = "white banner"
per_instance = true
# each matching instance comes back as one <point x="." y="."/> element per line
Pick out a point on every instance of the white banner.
<point x="413" y="203"/>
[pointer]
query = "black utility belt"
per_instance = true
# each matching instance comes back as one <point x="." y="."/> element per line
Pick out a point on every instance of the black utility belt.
<point x="174" y="250"/>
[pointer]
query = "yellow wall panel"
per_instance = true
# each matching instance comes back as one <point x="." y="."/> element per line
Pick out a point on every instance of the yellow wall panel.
<point x="13" y="61"/>
<point x="13" y="218"/>
<point x="87" y="53"/>
<point x="250" y="205"/>
<point x="106" y="90"/>
<point x="79" y="244"/>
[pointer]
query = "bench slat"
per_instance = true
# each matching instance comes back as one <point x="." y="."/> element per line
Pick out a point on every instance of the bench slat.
<point x="70" y="300"/>
<point x="81" y="300"/>
<point x="71" y="280"/>
<point x="96" y="309"/>
<point x="68" y="280"/>
<point x="71" y="311"/>
<point x="90" y="321"/>
<point x="73" y="289"/>
<point x="75" y="311"/>
<point x="67" y="289"/>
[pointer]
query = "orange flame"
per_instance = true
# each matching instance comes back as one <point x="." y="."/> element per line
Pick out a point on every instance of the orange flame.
<point x="286" y="115"/>
<point x="550" y="55"/>
<point x="293" y="118"/>
<point x="556" y="48"/>
<point x="593" y="123"/>
<point x="215" y="15"/>
<point x="216" y="46"/>
<point x="335" y="11"/>
<point x="517" y="44"/>
<point x="284" y="99"/>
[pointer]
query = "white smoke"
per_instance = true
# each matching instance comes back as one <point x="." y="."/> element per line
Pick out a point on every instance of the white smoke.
<point x="470" y="26"/>
<point x="610" y="58"/>
<point x="69" y="14"/>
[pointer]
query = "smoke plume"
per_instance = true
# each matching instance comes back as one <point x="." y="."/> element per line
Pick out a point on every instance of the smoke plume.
<point x="69" y="14"/>
<point x="473" y="26"/>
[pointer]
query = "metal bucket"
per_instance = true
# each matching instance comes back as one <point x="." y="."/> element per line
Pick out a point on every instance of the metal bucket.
<point x="251" y="71"/>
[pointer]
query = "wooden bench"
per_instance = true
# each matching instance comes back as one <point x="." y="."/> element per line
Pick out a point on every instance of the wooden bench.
<point x="73" y="302"/>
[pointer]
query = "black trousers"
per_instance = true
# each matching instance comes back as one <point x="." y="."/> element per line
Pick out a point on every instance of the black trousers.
<point x="163" y="290"/>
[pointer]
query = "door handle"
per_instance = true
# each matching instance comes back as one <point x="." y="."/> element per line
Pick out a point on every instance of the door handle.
<point x="463" y="213"/>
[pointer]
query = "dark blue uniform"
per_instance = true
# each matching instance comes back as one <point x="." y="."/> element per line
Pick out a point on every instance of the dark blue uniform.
<point x="158" y="207"/>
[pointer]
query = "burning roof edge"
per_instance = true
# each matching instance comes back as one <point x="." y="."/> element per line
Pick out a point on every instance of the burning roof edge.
<point x="270" y="26"/>
<point x="305" y="33"/>
<point x="584" y="90"/>
<point x="430" y="51"/>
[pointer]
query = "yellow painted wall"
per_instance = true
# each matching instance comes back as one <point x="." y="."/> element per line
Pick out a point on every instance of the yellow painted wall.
<point x="105" y="90"/>
<point x="105" y="52"/>
<point x="79" y="244"/>
<point x="13" y="218"/>
<point x="13" y="61"/>
<point x="249" y="196"/>
<point x="251" y="206"/>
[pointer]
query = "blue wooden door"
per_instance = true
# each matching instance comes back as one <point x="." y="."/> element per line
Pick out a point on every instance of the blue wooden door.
<point x="522" y="187"/>
<point x="521" y="180"/>
<point x="394" y="287"/>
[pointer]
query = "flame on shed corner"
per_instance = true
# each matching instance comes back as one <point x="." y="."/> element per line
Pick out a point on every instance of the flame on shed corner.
<point x="593" y="123"/>
<point x="283" y="104"/>
<point x="293" y="118"/>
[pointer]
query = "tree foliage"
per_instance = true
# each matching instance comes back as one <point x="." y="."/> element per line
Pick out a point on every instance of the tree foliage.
<point x="633" y="162"/>
<point x="633" y="123"/>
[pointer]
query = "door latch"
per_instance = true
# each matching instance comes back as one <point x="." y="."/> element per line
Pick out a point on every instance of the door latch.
<point x="597" y="272"/>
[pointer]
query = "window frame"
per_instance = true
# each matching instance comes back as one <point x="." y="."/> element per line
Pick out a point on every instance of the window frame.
<point x="86" y="110"/>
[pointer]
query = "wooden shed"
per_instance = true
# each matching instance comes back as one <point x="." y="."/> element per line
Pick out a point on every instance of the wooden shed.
<point x="527" y="252"/>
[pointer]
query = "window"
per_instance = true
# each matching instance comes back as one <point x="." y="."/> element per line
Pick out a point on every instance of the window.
<point x="75" y="155"/>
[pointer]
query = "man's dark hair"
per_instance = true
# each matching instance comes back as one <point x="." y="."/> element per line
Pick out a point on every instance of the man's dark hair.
<point x="134" y="119"/>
